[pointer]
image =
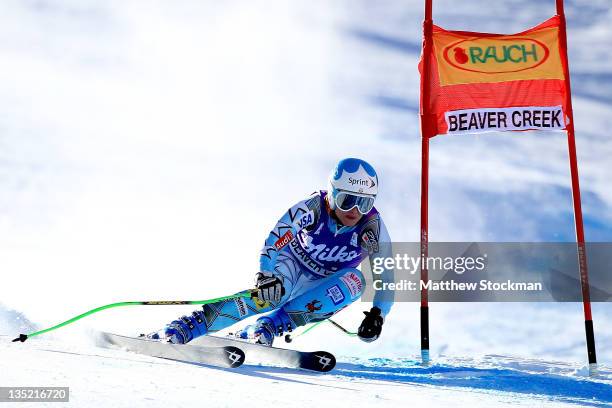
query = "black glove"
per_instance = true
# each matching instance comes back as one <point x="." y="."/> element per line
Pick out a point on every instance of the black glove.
<point x="371" y="326"/>
<point x="269" y="287"/>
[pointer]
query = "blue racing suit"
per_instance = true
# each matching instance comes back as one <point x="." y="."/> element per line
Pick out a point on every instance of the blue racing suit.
<point x="316" y="257"/>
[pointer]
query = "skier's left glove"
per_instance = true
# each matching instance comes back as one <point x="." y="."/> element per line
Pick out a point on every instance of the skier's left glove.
<point x="371" y="326"/>
<point x="269" y="287"/>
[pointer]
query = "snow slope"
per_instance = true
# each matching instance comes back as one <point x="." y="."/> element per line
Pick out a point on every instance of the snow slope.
<point x="102" y="377"/>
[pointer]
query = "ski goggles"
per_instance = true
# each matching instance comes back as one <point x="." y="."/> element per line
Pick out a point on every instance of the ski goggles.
<point x="347" y="201"/>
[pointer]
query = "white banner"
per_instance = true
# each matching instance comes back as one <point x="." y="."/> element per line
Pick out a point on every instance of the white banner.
<point x="505" y="119"/>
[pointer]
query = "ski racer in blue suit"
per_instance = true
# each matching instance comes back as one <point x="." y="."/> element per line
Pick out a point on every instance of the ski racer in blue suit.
<point x="308" y="265"/>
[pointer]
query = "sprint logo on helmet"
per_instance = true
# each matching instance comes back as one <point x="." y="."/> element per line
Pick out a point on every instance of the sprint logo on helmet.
<point x="356" y="182"/>
<point x="369" y="183"/>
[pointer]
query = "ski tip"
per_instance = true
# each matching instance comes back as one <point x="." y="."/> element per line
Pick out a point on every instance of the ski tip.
<point x="21" y="338"/>
<point x="323" y="361"/>
<point x="235" y="356"/>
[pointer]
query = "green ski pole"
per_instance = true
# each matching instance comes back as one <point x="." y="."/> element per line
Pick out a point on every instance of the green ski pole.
<point x="289" y="338"/>
<point x="350" y="333"/>
<point x="247" y="293"/>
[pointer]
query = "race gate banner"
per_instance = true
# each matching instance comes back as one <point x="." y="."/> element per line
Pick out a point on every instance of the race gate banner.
<point x="494" y="82"/>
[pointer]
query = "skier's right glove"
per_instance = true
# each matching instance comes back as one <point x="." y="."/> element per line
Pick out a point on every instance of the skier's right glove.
<point x="269" y="287"/>
<point x="371" y="326"/>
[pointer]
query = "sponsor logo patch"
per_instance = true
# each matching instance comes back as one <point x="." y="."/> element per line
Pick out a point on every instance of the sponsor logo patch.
<point x="313" y="306"/>
<point x="369" y="238"/>
<point x="335" y="294"/>
<point x="305" y="220"/>
<point x="241" y="306"/>
<point x="353" y="283"/>
<point x="283" y="240"/>
<point x="323" y="253"/>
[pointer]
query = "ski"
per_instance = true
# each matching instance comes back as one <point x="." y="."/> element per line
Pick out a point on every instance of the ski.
<point x="321" y="361"/>
<point x="226" y="355"/>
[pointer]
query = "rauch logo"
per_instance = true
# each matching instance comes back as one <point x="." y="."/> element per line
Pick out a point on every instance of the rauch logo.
<point x="496" y="55"/>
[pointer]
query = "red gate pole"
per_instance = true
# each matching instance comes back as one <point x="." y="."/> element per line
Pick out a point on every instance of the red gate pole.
<point x="425" y="107"/>
<point x="580" y="243"/>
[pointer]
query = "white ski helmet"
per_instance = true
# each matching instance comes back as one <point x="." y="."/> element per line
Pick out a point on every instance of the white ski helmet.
<point x="352" y="183"/>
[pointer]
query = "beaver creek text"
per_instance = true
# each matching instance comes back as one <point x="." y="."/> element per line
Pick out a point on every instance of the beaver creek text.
<point x="502" y="119"/>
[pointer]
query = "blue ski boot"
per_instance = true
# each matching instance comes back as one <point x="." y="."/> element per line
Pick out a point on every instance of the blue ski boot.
<point x="167" y="335"/>
<point x="266" y="328"/>
<point x="182" y="330"/>
<point x="259" y="333"/>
